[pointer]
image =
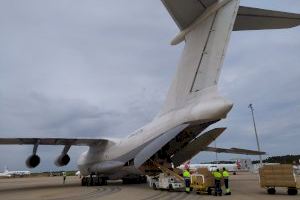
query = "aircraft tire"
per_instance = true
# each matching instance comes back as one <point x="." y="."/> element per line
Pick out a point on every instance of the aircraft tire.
<point x="154" y="186"/>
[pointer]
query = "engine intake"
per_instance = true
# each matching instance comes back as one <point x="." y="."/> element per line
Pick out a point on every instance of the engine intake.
<point x="62" y="160"/>
<point x="33" y="161"/>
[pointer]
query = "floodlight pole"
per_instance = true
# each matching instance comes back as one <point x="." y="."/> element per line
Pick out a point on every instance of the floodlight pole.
<point x="256" y="136"/>
<point x="217" y="160"/>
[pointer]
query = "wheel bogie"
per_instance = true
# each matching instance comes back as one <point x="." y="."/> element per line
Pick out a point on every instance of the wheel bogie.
<point x="94" y="181"/>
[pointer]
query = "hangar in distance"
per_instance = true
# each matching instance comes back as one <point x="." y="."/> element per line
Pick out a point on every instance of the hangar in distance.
<point x="181" y="128"/>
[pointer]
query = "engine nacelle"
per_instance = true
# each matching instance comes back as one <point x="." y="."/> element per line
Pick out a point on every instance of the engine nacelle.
<point x="33" y="161"/>
<point x="62" y="160"/>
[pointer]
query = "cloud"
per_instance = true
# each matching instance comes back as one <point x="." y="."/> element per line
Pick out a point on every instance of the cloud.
<point x="103" y="68"/>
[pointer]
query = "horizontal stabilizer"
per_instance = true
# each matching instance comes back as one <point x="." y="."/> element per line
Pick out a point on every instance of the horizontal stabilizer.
<point x="234" y="151"/>
<point x="198" y="144"/>
<point x="54" y="141"/>
<point x="185" y="12"/>
<point x="257" y="19"/>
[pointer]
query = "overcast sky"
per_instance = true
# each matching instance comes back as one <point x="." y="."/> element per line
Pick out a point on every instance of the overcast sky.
<point x="102" y="69"/>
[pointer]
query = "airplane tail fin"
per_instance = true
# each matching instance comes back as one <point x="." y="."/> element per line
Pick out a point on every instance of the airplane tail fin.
<point x="206" y="26"/>
<point x="206" y="41"/>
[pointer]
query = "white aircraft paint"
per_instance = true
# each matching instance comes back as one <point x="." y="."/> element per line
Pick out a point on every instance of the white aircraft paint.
<point x="193" y="102"/>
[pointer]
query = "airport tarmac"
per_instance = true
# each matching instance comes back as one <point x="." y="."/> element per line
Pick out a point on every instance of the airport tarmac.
<point x="244" y="186"/>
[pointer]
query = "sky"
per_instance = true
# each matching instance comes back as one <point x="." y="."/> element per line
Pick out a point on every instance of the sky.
<point x="71" y="68"/>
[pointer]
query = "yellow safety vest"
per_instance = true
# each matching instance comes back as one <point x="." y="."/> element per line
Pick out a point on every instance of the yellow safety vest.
<point x="226" y="174"/>
<point x="186" y="174"/>
<point x="217" y="175"/>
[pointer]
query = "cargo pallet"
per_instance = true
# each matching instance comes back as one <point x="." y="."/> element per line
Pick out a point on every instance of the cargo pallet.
<point x="203" y="181"/>
<point x="199" y="184"/>
<point x="282" y="176"/>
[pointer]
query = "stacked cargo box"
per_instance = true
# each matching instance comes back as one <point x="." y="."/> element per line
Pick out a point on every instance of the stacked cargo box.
<point x="209" y="179"/>
<point x="277" y="176"/>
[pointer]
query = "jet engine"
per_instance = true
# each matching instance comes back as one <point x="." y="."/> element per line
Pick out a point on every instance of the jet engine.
<point x="33" y="161"/>
<point x="62" y="160"/>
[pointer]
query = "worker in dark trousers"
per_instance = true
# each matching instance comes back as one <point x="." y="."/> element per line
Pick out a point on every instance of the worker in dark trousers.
<point x="187" y="180"/>
<point x="226" y="181"/>
<point x="64" y="177"/>
<point x="218" y="177"/>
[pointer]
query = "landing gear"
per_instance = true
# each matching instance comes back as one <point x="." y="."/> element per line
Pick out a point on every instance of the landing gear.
<point x="93" y="180"/>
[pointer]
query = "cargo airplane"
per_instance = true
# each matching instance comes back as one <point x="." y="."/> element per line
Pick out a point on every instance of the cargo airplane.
<point x="193" y="103"/>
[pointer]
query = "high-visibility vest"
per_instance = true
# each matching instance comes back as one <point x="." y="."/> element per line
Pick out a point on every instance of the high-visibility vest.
<point x="217" y="175"/>
<point x="225" y="174"/>
<point x="186" y="174"/>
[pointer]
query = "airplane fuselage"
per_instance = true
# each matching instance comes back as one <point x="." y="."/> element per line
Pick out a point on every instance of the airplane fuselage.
<point x="112" y="157"/>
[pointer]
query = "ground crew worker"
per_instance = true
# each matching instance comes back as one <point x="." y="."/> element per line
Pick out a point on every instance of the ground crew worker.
<point x="218" y="176"/>
<point x="226" y="181"/>
<point x="64" y="177"/>
<point x="187" y="180"/>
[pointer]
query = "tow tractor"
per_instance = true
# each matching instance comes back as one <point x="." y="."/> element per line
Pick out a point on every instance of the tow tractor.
<point x="167" y="180"/>
<point x="201" y="182"/>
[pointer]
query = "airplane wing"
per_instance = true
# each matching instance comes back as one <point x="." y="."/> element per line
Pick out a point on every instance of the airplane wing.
<point x="54" y="141"/>
<point x="234" y="151"/>
<point x="257" y="19"/>
<point x="34" y="160"/>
